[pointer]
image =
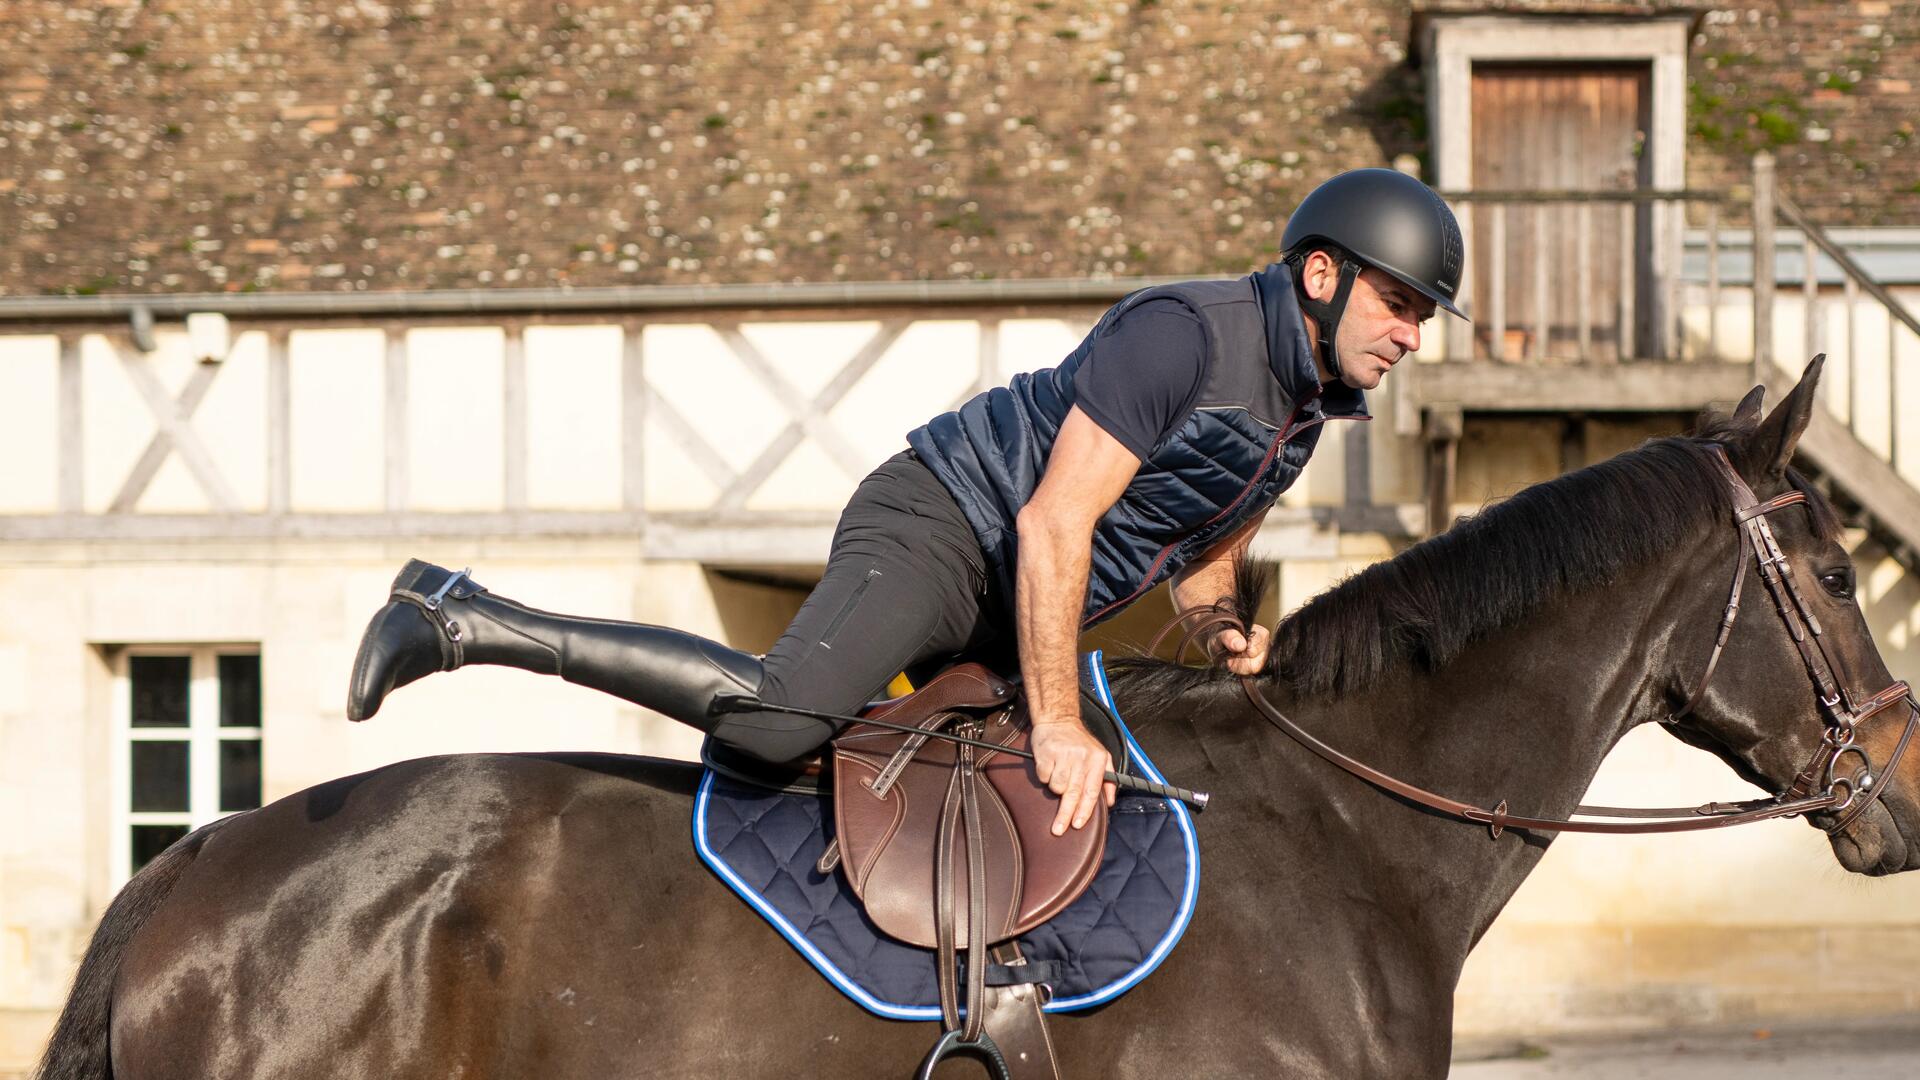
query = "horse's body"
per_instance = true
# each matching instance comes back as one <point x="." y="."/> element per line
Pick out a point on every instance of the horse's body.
<point x="544" y="915"/>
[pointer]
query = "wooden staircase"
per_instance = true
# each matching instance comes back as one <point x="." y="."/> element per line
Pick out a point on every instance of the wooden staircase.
<point x="1864" y="486"/>
<point x="1869" y="335"/>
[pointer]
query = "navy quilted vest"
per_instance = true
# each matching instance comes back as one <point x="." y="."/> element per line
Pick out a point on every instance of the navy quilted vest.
<point x="1251" y="431"/>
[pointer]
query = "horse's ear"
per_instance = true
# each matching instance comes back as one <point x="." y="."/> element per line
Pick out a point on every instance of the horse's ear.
<point x="1770" y="447"/>
<point x="1746" y="415"/>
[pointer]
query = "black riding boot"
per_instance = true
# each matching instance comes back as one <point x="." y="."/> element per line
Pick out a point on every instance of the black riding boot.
<point x="439" y="620"/>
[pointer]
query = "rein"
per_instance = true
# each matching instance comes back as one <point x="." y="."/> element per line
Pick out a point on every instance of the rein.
<point x="1815" y="789"/>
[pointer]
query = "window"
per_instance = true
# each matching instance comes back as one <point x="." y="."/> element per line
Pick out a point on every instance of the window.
<point x="186" y="745"/>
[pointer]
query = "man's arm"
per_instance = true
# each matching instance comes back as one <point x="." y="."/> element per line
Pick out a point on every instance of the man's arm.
<point x="1208" y="578"/>
<point x="1087" y="471"/>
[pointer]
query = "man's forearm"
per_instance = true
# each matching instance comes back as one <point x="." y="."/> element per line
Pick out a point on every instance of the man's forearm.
<point x="1203" y="583"/>
<point x="1211" y="577"/>
<point x="1050" y="588"/>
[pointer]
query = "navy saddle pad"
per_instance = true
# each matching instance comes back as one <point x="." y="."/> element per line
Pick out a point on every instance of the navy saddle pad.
<point x="764" y="845"/>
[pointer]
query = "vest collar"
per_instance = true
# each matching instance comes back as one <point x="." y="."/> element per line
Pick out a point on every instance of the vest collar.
<point x="1290" y="354"/>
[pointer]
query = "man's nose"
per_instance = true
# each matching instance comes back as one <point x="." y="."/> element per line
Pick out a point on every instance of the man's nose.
<point x="1407" y="336"/>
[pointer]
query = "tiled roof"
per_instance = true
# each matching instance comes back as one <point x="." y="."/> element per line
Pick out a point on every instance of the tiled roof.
<point x="187" y="145"/>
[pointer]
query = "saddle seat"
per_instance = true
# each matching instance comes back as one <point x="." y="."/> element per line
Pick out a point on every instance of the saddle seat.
<point x="896" y="794"/>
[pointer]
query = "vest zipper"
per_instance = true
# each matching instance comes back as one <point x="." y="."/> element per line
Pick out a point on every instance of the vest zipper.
<point x="1286" y="433"/>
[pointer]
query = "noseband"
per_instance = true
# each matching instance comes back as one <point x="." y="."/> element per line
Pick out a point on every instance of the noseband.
<point x="1817" y="788"/>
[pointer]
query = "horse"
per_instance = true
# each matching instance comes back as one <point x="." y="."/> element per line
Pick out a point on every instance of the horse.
<point x="543" y="915"/>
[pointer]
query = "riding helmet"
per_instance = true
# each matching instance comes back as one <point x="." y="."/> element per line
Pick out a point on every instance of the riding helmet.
<point x="1387" y="220"/>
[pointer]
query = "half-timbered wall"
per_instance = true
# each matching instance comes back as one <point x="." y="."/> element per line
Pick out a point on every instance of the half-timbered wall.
<point x="685" y="468"/>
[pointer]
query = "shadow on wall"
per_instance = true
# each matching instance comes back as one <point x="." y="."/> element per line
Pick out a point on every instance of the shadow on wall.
<point x="755" y="605"/>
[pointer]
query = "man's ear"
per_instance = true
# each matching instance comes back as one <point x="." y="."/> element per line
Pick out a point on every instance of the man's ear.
<point x="1770" y="448"/>
<point x="1320" y="274"/>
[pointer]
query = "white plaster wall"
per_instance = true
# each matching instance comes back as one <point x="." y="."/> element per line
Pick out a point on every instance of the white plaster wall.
<point x="455" y="398"/>
<point x="1579" y="931"/>
<point x="573" y="417"/>
<point x="337" y="420"/>
<point x="29" y="422"/>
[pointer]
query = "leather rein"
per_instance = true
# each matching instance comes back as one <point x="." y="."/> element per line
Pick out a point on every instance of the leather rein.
<point x="1817" y="788"/>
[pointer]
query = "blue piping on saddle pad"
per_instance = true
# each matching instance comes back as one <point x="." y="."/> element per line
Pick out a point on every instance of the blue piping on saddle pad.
<point x="794" y="823"/>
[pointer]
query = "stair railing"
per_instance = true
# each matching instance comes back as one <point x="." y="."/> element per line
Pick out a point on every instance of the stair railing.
<point x="1860" y="369"/>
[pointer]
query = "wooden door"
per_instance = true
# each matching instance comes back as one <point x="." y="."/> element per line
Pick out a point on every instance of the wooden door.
<point x="1562" y="127"/>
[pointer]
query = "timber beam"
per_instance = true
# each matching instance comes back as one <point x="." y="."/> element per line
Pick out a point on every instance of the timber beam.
<point x="1644" y="387"/>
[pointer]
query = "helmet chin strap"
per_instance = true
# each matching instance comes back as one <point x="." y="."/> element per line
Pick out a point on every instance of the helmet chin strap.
<point x="1326" y="313"/>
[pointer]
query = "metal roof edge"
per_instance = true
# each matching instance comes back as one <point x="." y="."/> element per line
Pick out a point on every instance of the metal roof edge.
<point x="611" y="298"/>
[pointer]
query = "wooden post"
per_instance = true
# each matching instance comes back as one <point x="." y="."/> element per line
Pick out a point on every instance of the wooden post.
<point x="1459" y="333"/>
<point x="1497" y="285"/>
<point x="1539" y="350"/>
<point x="1443" y="429"/>
<point x="1815" y="333"/>
<point x="1713" y="281"/>
<point x="513" y="416"/>
<point x="1853" y="351"/>
<point x="1583" y="287"/>
<point x="633" y="418"/>
<point x="1629" y="337"/>
<point x="1670" y="218"/>
<point x="70" y="481"/>
<point x="1765" y="273"/>
<point x="396" y="417"/>
<point x="279" y="422"/>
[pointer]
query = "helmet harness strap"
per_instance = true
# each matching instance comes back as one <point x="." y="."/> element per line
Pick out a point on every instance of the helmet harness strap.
<point x="1326" y="313"/>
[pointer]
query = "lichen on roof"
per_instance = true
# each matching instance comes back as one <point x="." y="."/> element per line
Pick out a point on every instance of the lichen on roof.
<point x="187" y="145"/>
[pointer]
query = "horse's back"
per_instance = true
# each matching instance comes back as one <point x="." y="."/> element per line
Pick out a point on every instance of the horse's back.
<point x="408" y="921"/>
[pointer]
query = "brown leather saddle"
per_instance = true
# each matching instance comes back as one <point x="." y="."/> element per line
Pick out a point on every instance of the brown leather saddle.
<point x="950" y="847"/>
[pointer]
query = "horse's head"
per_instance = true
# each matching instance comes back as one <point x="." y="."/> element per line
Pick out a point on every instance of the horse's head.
<point x="1762" y="711"/>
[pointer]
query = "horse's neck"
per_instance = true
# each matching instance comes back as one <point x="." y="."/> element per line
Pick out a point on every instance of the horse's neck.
<point x="1526" y="717"/>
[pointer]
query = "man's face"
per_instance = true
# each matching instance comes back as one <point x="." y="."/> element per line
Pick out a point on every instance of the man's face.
<point x="1380" y="326"/>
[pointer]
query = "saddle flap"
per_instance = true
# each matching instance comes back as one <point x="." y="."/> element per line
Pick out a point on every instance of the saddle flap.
<point x="888" y="841"/>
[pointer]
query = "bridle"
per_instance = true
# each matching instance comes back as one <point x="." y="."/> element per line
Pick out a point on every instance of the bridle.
<point x="1817" y="788"/>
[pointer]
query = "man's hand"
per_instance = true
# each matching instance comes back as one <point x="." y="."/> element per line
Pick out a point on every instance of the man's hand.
<point x="1245" y="657"/>
<point x="1073" y="765"/>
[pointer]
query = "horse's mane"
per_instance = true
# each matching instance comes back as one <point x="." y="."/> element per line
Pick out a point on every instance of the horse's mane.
<point x="1421" y="609"/>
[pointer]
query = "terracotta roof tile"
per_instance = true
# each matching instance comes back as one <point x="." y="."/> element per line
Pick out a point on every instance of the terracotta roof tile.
<point x="183" y="146"/>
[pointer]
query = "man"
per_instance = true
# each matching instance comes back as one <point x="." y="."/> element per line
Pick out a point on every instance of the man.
<point x="1030" y="513"/>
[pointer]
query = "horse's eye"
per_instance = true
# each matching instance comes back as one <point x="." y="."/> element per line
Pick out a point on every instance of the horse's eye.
<point x="1838" y="582"/>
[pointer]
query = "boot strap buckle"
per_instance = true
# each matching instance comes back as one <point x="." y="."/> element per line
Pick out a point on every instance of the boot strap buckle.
<point x="433" y="601"/>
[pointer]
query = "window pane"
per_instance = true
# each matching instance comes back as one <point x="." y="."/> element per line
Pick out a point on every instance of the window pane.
<point x="240" y="691"/>
<point x="239" y="774"/>
<point x="160" y="776"/>
<point x="159" y="690"/>
<point x="151" y="840"/>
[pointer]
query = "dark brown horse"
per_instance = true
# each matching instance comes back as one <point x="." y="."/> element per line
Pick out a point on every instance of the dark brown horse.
<point x="545" y="916"/>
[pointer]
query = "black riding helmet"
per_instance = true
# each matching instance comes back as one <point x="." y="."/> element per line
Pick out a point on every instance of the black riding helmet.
<point x="1379" y="218"/>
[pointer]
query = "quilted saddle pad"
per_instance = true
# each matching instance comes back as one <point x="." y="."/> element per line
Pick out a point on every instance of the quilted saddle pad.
<point x="765" y="845"/>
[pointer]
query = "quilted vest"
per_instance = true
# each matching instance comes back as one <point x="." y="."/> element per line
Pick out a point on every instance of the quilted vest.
<point x="1251" y="430"/>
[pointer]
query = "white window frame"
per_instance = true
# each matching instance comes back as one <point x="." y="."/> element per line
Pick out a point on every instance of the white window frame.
<point x="203" y="735"/>
<point x="1454" y="43"/>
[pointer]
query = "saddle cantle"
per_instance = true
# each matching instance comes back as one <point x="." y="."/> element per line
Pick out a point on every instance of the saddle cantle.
<point x="893" y="793"/>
